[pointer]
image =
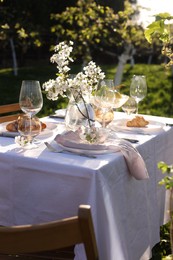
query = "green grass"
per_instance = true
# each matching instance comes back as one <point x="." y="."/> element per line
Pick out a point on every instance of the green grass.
<point x="159" y="100"/>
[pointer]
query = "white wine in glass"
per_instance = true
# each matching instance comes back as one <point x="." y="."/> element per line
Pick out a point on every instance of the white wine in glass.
<point x="103" y="102"/>
<point x="138" y="88"/>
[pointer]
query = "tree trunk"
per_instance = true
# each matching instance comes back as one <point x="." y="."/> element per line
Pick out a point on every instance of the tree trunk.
<point x="125" y="56"/>
<point x="15" y="67"/>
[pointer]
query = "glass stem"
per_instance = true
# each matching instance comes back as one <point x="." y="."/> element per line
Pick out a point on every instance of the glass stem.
<point x="30" y="129"/>
<point x="137" y="107"/>
<point x="104" y="122"/>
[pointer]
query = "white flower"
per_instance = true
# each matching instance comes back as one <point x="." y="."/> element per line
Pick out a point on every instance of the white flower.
<point x="84" y="82"/>
<point x="21" y="140"/>
<point x="81" y="86"/>
<point x="93" y="134"/>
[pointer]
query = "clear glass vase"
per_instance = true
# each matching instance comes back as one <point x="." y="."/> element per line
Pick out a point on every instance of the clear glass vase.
<point x="79" y="112"/>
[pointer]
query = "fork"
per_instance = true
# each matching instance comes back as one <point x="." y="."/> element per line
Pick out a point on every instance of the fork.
<point x="54" y="150"/>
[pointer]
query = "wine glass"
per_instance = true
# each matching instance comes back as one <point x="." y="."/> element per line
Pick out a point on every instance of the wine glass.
<point x="120" y="99"/>
<point x="29" y="128"/>
<point x="129" y="106"/>
<point x="103" y="102"/>
<point x="30" y="99"/>
<point x="31" y="102"/>
<point x="138" y="88"/>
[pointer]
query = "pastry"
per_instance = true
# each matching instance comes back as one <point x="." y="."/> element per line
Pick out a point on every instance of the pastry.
<point x="12" y="127"/>
<point x="104" y="118"/>
<point x="138" y="121"/>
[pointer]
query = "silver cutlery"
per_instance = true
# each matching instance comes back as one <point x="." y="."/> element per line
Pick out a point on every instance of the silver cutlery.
<point x="133" y="141"/>
<point x="60" y="150"/>
<point x="169" y="124"/>
<point x="8" y="134"/>
<point x="56" y="116"/>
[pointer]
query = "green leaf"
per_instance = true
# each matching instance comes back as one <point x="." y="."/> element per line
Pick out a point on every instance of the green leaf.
<point x="162" y="166"/>
<point x="164" y="16"/>
<point x="158" y="27"/>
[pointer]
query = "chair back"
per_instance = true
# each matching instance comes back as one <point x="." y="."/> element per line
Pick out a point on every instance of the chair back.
<point x="9" y="112"/>
<point x="51" y="236"/>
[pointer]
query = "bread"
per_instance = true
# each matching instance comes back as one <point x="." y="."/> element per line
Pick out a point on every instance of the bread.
<point x="13" y="126"/>
<point x="138" y="121"/>
<point x="100" y="117"/>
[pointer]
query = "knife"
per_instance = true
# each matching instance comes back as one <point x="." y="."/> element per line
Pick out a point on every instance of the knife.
<point x="8" y="134"/>
<point x="56" y="116"/>
<point x="169" y="124"/>
<point x="133" y="141"/>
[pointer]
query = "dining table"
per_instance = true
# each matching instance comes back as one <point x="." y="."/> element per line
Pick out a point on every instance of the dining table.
<point x="38" y="185"/>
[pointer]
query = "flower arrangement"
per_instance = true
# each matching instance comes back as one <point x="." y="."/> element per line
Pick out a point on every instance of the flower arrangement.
<point x="80" y="86"/>
<point x="83" y="83"/>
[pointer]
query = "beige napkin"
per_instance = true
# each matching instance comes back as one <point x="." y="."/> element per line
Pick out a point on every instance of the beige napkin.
<point x="134" y="161"/>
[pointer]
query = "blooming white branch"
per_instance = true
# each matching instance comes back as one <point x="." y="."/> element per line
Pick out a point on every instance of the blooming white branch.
<point x="83" y="83"/>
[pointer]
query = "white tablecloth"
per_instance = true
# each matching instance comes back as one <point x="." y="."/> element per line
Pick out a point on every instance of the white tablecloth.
<point x="38" y="185"/>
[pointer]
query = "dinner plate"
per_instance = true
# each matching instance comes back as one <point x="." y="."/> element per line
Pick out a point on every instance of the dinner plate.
<point x="47" y="132"/>
<point x="152" y="127"/>
<point x="71" y="141"/>
<point x="87" y="151"/>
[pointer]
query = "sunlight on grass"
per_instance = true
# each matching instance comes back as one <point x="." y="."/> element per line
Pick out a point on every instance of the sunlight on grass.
<point x="4" y="71"/>
<point x="158" y="101"/>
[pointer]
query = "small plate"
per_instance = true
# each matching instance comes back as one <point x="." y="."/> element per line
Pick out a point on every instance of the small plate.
<point x="60" y="113"/>
<point x="152" y="127"/>
<point x="48" y="131"/>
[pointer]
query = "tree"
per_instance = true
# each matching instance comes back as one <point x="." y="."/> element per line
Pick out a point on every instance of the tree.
<point x="96" y="27"/>
<point x="23" y="25"/>
<point x="162" y="29"/>
<point x="117" y="5"/>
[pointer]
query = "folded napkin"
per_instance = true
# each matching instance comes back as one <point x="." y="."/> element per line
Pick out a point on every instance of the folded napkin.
<point x="134" y="161"/>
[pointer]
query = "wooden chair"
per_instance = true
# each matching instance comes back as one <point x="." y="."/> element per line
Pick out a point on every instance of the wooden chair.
<point x="51" y="236"/>
<point x="9" y="112"/>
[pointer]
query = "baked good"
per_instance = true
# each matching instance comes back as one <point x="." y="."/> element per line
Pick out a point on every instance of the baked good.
<point x="138" y="121"/>
<point x="13" y="126"/>
<point x="104" y="118"/>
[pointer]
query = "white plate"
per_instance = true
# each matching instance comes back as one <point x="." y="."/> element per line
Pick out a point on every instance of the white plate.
<point x="60" y="113"/>
<point x="152" y="127"/>
<point x="48" y="131"/>
<point x="70" y="141"/>
<point x="87" y="151"/>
